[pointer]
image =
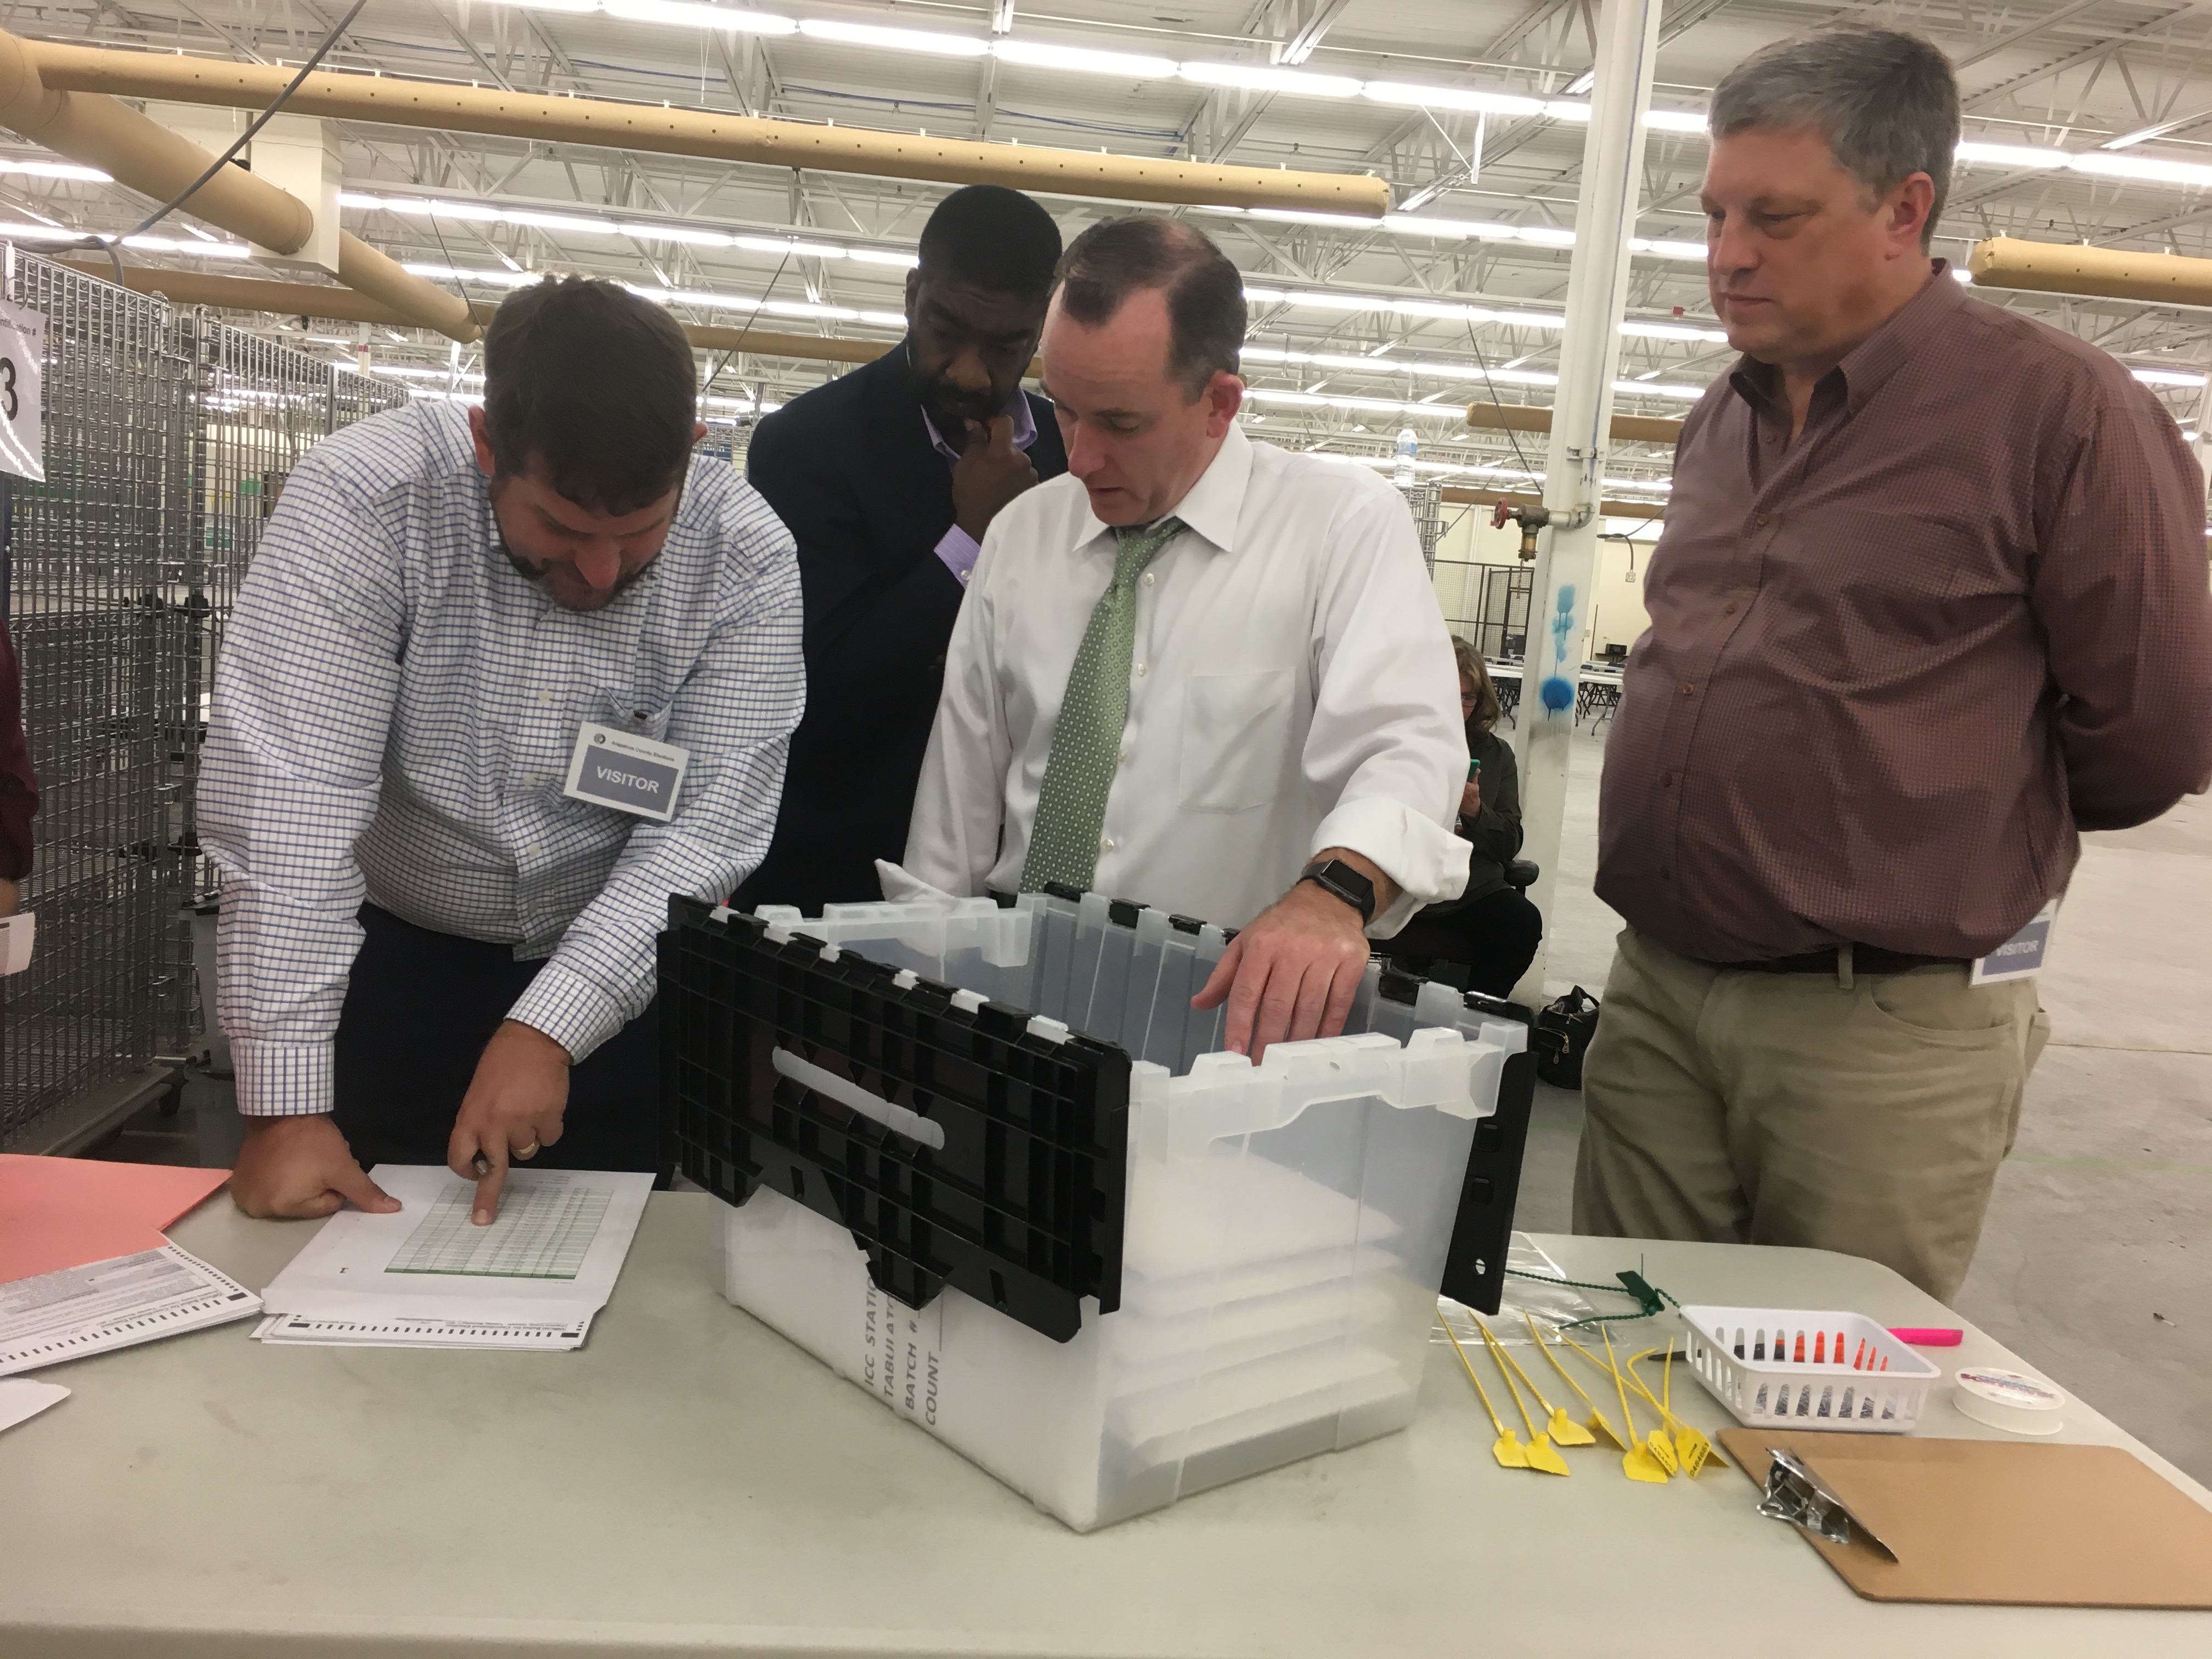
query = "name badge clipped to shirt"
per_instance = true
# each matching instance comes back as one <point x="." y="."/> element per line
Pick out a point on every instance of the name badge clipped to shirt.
<point x="626" y="771"/>
<point x="2020" y="957"/>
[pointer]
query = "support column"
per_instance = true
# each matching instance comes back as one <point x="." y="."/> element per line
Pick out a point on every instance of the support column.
<point x="1589" y="356"/>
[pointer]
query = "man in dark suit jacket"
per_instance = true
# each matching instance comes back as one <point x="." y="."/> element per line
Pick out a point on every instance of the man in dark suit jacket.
<point x="887" y="479"/>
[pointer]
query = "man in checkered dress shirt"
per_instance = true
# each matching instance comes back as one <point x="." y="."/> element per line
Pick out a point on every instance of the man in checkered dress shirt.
<point x="429" y="951"/>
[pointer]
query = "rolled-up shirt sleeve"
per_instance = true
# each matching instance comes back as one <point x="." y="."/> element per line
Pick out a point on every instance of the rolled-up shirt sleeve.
<point x="291" y="777"/>
<point x="734" y="715"/>
<point x="1387" y="739"/>
<point x="2120" y="591"/>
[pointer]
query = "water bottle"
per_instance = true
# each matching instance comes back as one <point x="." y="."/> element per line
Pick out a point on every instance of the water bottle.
<point x="1408" y="446"/>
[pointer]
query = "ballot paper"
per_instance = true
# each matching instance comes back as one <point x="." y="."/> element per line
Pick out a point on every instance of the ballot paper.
<point x="22" y="1399"/>
<point x="127" y="1300"/>
<point x="428" y="1276"/>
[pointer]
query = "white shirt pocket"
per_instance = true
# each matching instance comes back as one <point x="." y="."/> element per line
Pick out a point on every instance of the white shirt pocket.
<point x="1237" y="738"/>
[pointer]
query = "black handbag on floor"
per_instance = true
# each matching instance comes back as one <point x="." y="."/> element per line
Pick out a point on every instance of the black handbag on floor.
<point x="1562" y="1036"/>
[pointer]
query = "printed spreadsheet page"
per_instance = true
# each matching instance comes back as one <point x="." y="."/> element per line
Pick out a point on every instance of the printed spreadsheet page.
<point x="556" y="1248"/>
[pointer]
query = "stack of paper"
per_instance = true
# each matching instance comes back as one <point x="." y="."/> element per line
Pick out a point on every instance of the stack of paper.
<point x="428" y="1277"/>
<point x="84" y="1268"/>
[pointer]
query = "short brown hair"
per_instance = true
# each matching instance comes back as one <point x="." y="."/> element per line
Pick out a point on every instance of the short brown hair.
<point x="596" y="383"/>
<point x="1117" y="258"/>
<point x="1485" y="712"/>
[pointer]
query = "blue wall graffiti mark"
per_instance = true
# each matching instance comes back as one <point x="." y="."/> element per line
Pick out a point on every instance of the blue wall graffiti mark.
<point x="1558" y="691"/>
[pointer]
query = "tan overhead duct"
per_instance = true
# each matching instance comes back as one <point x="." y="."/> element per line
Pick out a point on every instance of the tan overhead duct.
<point x="1463" y="496"/>
<point x="2070" y="268"/>
<point x="703" y="133"/>
<point x="140" y="153"/>
<point x="1521" y="417"/>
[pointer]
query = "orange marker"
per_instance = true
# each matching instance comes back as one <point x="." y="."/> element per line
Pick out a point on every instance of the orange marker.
<point x="1801" y="1348"/>
<point x="1858" y="1359"/>
<point x="1885" y="1362"/>
<point x="1821" y="1347"/>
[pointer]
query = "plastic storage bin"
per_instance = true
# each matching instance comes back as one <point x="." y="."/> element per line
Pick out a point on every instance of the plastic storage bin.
<point x="1791" y="1367"/>
<point x="983" y="1161"/>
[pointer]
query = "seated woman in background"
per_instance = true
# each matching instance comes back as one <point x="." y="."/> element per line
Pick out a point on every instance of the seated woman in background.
<point x="1491" y="931"/>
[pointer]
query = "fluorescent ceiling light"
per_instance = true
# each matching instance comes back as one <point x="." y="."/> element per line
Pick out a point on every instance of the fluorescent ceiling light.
<point x="730" y="19"/>
<point x="581" y="225"/>
<point x="2104" y="164"/>
<point x="2165" y="377"/>
<point x="1265" y="77"/>
<point x="1036" y="54"/>
<point x="1675" y="120"/>
<point x="1368" y="405"/>
<point x="2009" y="155"/>
<point x="1446" y="311"/>
<point x="1668" y="247"/>
<point x="869" y="34"/>
<point x="55" y="170"/>
<point x="194" y="249"/>
<point x="1407" y="96"/>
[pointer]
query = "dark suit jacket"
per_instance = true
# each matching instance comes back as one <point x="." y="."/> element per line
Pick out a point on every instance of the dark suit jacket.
<point x="849" y="469"/>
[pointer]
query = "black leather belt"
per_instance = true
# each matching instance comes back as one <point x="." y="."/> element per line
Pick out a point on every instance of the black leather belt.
<point x="1865" y="959"/>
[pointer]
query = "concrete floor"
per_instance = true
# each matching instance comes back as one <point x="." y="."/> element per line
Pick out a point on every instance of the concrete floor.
<point x="2096" y="1263"/>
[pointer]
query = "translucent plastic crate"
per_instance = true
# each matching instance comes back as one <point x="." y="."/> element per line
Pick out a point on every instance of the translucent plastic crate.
<point x="987" y="1164"/>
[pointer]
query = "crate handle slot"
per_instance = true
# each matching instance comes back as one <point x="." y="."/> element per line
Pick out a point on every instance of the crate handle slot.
<point x="846" y="1093"/>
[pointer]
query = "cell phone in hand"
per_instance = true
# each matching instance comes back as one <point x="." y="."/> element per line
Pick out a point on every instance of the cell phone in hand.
<point x="1474" y="771"/>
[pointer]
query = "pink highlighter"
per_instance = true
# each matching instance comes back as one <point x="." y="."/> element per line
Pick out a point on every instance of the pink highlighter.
<point x="1931" y="1337"/>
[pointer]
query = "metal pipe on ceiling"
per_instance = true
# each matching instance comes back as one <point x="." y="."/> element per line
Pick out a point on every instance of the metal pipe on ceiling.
<point x="140" y="153"/>
<point x="705" y="133"/>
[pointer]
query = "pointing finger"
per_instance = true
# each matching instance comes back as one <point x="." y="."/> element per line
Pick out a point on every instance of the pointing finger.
<point x="352" y="1181"/>
<point x="489" y="1186"/>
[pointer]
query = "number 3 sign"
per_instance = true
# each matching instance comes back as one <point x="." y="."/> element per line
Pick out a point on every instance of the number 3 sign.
<point x="22" y="376"/>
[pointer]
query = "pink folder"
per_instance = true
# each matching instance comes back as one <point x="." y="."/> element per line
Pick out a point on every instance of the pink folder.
<point x="59" y="1212"/>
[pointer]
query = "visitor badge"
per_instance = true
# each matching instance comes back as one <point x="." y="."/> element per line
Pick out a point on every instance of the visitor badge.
<point x="628" y="772"/>
<point x="2019" y="957"/>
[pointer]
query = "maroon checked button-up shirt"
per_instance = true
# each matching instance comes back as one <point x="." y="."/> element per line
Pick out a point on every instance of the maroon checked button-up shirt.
<point x="1894" y="665"/>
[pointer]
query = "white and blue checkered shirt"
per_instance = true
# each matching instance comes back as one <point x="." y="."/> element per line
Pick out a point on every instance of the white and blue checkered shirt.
<point x="393" y="717"/>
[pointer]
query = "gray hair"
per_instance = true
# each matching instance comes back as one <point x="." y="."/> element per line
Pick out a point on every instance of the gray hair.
<point x="1887" y="103"/>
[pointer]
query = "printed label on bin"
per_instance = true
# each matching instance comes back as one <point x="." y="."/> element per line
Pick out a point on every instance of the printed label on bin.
<point x="899" y="1362"/>
<point x="620" y="769"/>
<point x="2019" y="955"/>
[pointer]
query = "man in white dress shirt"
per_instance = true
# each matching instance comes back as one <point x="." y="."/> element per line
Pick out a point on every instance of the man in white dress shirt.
<point x="440" y="903"/>
<point x="1198" y="673"/>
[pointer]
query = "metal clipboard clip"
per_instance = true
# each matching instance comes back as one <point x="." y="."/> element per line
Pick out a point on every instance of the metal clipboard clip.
<point x="1794" y="1493"/>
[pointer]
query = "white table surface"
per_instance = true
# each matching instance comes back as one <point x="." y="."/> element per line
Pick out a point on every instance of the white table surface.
<point x="1587" y="674"/>
<point x="689" y="1483"/>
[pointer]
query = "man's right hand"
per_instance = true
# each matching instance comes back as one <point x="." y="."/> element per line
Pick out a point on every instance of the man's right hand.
<point x="301" y="1167"/>
<point x="989" y="473"/>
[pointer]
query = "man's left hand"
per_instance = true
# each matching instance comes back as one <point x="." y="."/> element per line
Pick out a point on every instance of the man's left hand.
<point x="1293" y="972"/>
<point x="514" y="1107"/>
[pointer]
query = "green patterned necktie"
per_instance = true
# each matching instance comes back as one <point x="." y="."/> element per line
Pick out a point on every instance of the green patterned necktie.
<point x="1086" y="743"/>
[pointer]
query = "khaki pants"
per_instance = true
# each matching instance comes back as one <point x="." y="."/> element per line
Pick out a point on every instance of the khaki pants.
<point x="1861" y="1113"/>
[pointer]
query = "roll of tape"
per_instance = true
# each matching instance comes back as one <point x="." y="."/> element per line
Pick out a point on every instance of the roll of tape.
<point x="2011" y="1400"/>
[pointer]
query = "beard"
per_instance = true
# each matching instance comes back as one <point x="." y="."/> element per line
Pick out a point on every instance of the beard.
<point x="535" y="570"/>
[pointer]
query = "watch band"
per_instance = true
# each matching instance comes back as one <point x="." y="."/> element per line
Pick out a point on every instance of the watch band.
<point x="1340" y="880"/>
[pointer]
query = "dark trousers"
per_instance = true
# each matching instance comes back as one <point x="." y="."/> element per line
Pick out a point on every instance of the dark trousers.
<point x="1495" y="936"/>
<point x="419" y="1009"/>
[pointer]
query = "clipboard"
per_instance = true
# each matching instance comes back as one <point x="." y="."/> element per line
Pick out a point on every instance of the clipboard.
<point x="2000" y="1522"/>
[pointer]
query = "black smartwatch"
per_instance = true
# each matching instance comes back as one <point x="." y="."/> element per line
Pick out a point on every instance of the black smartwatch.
<point x="1340" y="879"/>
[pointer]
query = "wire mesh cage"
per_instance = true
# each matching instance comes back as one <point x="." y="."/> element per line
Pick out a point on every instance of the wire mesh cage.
<point x="92" y="555"/>
<point x="1426" y="503"/>
<point x="167" y="436"/>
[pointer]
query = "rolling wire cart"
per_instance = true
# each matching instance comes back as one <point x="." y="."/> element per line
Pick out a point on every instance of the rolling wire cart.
<point x="164" y="432"/>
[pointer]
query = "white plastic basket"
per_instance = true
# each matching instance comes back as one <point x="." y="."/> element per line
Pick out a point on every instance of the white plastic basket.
<point x="1748" y="1357"/>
